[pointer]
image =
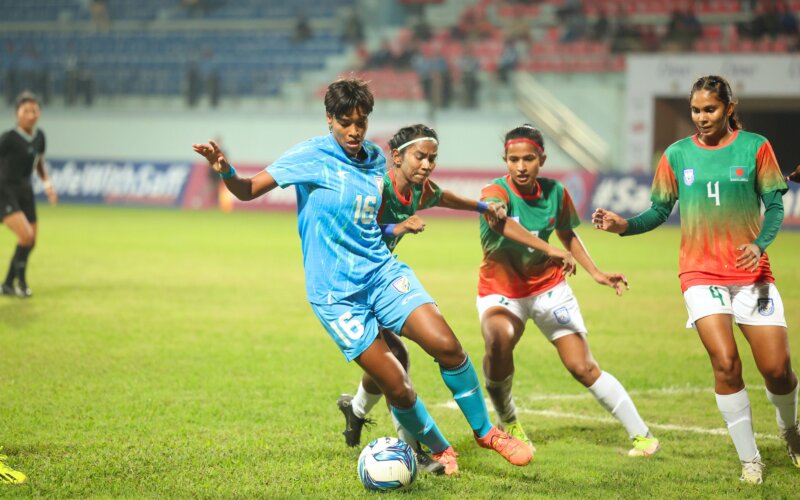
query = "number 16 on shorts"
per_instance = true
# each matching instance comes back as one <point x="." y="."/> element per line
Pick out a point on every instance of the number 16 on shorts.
<point x="352" y="326"/>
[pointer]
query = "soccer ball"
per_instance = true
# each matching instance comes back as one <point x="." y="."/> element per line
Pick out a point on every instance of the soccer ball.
<point x="387" y="464"/>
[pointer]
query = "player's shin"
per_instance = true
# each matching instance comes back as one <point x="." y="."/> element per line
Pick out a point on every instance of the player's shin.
<point x="612" y="396"/>
<point x="502" y="399"/>
<point x="735" y="409"/>
<point x="463" y="383"/>
<point x="419" y="423"/>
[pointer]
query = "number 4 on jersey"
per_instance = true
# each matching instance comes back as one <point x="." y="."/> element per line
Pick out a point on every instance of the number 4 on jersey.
<point x="715" y="193"/>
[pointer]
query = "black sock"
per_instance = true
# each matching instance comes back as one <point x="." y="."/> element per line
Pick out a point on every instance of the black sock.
<point x="12" y="268"/>
<point x="21" y="261"/>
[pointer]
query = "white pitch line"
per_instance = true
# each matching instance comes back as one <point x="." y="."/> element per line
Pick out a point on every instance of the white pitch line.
<point x="608" y="420"/>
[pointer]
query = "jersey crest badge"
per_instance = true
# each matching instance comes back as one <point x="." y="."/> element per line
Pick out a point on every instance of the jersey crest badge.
<point x="562" y="315"/>
<point x="401" y="284"/>
<point x="379" y="182"/>
<point x="739" y="174"/>
<point x="688" y="176"/>
<point x="766" y="307"/>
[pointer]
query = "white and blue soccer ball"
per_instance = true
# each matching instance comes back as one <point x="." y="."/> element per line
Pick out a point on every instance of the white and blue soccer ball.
<point x="387" y="463"/>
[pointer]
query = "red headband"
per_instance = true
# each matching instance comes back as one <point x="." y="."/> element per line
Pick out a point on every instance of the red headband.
<point x="522" y="139"/>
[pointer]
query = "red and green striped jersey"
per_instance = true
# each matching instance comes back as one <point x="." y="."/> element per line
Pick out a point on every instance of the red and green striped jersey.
<point x="720" y="192"/>
<point x="395" y="208"/>
<point x="514" y="270"/>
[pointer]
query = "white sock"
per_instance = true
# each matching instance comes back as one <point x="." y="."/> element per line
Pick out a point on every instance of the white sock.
<point x="785" y="407"/>
<point x="364" y="401"/>
<point x="502" y="400"/>
<point x="614" y="398"/>
<point x="735" y="409"/>
<point x="403" y="434"/>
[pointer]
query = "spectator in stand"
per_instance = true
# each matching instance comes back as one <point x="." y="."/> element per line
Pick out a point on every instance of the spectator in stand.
<point x="195" y="8"/>
<point x="470" y="68"/>
<point x="683" y="29"/>
<point x="98" y="10"/>
<point x="302" y="29"/>
<point x="442" y="82"/>
<point x="601" y="29"/>
<point x="381" y="58"/>
<point x="576" y="27"/>
<point x="787" y="19"/>
<point x="405" y="58"/>
<point x="509" y="59"/>
<point x="353" y="28"/>
<point x="421" y="29"/>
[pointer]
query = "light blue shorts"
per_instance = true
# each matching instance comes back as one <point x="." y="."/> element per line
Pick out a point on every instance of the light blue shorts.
<point x="353" y="321"/>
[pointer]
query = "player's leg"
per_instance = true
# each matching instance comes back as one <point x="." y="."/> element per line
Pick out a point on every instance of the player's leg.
<point x="403" y="305"/>
<point x="426" y="326"/>
<point x="9" y="475"/>
<point x="759" y="313"/>
<point x="356" y="408"/>
<point x="716" y="334"/>
<point x="502" y="324"/>
<point x="711" y="312"/>
<point x="26" y="236"/>
<point x="573" y="349"/>
<point x="558" y="316"/>
<point x="352" y="325"/>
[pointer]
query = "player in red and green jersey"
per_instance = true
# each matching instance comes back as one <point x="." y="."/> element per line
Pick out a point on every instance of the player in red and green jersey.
<point x="518" y="283"/>
<point x="722" y="175"/>
<point x="406" y="189"/>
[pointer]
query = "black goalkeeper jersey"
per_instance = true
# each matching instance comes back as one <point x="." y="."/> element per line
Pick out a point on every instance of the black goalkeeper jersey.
<point x="18" y="154"/>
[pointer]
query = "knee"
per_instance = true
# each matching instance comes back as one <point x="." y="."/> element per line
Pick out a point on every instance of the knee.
<point x="727" y="368"/>
<point x="450" y="354"/>
<point x="777" y="373"/>
<point x="400" y="395"/>
<point x="26" y="239"/>
<point x="498" y="345"/>
<point x="586" y="372"/>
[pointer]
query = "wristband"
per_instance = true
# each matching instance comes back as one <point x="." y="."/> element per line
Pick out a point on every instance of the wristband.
<point x="230" y="173"/>
<point x="388" y="229"/>
<point x="482" y="207"/>
<point x="47" y="184"/>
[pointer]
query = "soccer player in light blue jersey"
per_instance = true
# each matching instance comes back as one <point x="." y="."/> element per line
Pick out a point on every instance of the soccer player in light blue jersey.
<point x="352" y="281"/>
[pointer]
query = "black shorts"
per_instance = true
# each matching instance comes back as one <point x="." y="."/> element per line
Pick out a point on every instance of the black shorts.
<point x="16" y="198"/>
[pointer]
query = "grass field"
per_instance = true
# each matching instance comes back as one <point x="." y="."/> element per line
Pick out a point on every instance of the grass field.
<point x="172" y="354"/>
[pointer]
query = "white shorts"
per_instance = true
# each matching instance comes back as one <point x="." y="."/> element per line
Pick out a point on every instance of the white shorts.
<point x="555" y="312"/>
<point x="756" y="304"/>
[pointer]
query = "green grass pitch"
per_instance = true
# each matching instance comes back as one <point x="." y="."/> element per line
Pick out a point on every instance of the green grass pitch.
<point x="172" y="354"/>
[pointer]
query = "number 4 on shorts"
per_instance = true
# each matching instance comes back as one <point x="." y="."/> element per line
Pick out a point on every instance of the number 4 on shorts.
<point x="715" y="293"/>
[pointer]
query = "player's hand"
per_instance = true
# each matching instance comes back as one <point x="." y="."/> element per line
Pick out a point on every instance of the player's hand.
<point x="213" y="154"/>
<point x="413" y="225"/>
<point x="563" y="259"/>
<point x="794" y="176"/>
<point x="52" y="196"/>
<point x="607" y="220"/>
<point x="749" y="258"/>
<point x="495" y="213"/>
<point x="617" y="281"/>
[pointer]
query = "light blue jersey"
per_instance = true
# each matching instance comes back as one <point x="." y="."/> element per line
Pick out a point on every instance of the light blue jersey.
<point x="337" y="203"/>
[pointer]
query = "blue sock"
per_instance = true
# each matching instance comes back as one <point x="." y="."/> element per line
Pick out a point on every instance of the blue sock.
<point x="463" y="383"/>
<point x="421" y="425"/>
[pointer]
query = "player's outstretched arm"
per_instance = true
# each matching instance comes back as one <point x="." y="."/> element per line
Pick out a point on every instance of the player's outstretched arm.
<point x="576" y="247"/>
<point x="607" y="220"/>
<point x="794" y="176"/>
<point x="449" y="199"/>
<point x="243" y="188"/>
<point x="413" y="225"/>
<point x="512" y="230"/>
